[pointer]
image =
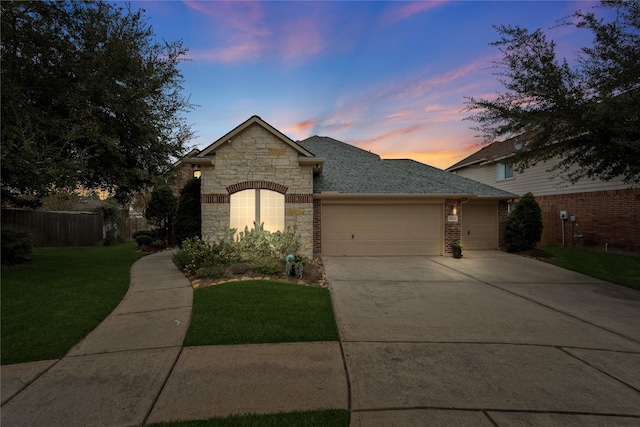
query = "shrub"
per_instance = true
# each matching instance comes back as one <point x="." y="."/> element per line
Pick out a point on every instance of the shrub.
<point x="240" y="268"/>
<point x="255" y="249"/>
<point x="143" y="240"/>
<point x="214" y="272"/>
<point x="192" y="255"/>
<point x="150" y="233"/>
<point x="188" y="216"/>
<point x="524" y="225"/>
<point x="17" y="247"/>
<point x="161" y="210"/>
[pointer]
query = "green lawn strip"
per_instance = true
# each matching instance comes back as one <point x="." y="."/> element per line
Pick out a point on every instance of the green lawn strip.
<point x="324" y="418"/>
<point x="613" y="267"/>
<point x="48" y="306"/>
<point x="260" y="311"/>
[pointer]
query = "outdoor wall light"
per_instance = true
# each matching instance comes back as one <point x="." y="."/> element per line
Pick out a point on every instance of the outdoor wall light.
<point x="197" y="172"/>
<point x="455" y="210"/>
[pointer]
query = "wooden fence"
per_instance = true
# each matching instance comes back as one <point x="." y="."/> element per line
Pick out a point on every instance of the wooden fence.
<point x="130" y="225"/>
<point x="549" y="229"/>
<point x="56" y="228"/>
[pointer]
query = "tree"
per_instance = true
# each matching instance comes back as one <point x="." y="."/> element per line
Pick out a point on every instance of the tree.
<point x="161" y="210"/>
<point x="89" y="97"/>
<point x="523" y="227"/>
<point x="587" y="114"/>
<point x="188" y="217"/>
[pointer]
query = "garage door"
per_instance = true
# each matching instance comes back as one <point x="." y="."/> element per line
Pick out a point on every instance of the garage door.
<point x="360" y="230"/>
<point x="480" y="225"/>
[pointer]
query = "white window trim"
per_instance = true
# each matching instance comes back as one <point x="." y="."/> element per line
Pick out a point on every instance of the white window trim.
<point x="257" y="210"/>
<point x="501" y="171"/>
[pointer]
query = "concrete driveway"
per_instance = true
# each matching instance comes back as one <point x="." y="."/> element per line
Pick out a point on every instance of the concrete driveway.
<point x="490" y="339"/>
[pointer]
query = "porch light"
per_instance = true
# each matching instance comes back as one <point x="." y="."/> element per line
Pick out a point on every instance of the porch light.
<point x="197" y="172"/>
<point x="455" y="210"/>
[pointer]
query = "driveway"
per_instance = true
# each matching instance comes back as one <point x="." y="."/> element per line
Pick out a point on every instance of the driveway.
<point x="489" y="339"/>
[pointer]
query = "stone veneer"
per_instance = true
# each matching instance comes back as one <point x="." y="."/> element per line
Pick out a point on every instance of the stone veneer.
<point x="256" y="158"/>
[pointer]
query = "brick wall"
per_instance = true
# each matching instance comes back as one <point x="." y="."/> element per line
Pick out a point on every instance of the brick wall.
<point x="602" y="217"/>
<point x="317" y="230"/>
<point x="451" y="229"/>
<point x="503" y="213"/>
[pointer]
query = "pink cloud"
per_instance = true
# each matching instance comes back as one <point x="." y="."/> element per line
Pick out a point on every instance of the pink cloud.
<point x="246" y="33"/>
<point x="407" y="10"/>
<point x="250" y="50"/>
<point x="300" y="128"/>
<point x="371" y="142"/>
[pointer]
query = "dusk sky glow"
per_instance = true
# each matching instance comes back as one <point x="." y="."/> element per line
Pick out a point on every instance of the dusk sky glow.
<point x="389" y="77"/>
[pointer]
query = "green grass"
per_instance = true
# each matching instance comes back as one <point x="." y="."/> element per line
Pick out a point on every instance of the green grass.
<point x="326" y="418"/>
<point x="260" y="311"/>
<point x="50" y="305"/>
<point x="613" y="267"/>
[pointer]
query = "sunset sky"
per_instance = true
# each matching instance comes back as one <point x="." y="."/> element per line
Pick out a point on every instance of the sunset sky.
<point x="389" y="77"/>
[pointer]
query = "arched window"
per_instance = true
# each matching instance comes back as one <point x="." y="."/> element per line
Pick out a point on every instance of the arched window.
<point x="259" y="206"/>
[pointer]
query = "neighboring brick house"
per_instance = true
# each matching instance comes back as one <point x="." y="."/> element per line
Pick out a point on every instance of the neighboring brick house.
<point x="605" y="213"/>
<point x="342" y="200"/>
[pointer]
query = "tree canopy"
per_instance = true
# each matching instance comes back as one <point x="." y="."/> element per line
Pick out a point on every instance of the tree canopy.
<point x="586" y="114"/>
<point x="89" y="98"/>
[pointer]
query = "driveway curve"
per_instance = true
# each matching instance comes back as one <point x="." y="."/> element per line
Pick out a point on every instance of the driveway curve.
<point x="489" y="339"/>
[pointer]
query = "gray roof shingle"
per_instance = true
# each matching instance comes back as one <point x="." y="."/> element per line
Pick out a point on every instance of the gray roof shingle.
<point x="351" y="170"/>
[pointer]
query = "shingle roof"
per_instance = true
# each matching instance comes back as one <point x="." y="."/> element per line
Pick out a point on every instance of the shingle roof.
<point x="494" y="151"/>
<point x="351" y="170"/>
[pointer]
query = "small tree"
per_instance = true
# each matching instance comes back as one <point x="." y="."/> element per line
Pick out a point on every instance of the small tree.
<point x="524" y="225"/>
<point x="188" y="216"/>
<point x="161" y="210"/>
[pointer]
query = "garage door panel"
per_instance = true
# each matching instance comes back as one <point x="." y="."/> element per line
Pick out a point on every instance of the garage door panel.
<point x="359" y="230"/>
<point x="480" y="226"/>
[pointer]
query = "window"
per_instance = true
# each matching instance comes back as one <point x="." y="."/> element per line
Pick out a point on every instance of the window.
<point x="504" y="171"/>
<point x="257" y="206"/>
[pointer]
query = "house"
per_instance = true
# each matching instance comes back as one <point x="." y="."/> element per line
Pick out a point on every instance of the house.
<point x="343" y="201"/>
<point x="606" y="214"/>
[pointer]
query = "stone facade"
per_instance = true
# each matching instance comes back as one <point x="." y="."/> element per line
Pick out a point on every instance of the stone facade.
<point x="256" y="158"/>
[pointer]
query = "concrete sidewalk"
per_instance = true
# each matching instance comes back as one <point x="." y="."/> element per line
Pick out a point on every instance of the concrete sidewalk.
<point x="132" y="368"/>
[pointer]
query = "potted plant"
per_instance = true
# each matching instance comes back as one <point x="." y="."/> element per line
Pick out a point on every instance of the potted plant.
<point x="457" y="249"/>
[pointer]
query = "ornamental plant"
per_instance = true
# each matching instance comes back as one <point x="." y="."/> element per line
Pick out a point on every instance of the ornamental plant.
<point x="524" y="225"/>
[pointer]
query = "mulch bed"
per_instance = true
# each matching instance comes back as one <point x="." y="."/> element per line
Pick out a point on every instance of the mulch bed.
<point x="313" y="275"/>
<point x="535" y="253"/>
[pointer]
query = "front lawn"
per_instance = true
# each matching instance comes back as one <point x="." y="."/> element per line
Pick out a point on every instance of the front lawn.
<point x="613" y="267"/>
<point x="260" y="311"/>
<point x="326" y="418"/>
<point x="50" y="305"/>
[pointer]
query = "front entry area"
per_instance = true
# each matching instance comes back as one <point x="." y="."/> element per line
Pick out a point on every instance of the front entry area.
<point x="382" y="229"/>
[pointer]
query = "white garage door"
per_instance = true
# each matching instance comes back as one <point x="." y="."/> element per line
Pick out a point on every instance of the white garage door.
<point x="360" y="230"/>
<point x="480" y="225"/>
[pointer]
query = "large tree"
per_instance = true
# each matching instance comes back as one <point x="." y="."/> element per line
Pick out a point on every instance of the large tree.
<point x="90" y="98"/>
<point x="587" y="112"/>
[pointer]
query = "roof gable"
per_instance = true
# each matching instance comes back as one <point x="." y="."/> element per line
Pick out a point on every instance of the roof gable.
<point x="253" y="120"/>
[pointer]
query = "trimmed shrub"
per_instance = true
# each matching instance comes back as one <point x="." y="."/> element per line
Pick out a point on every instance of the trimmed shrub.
<point x="150" y="233"/>
<point x="143" y="240"/>
<point x="17" y="247"/>
<point x="524" y="225"/>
